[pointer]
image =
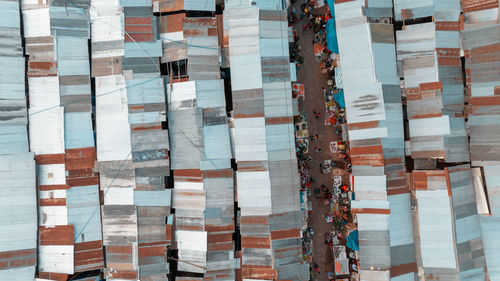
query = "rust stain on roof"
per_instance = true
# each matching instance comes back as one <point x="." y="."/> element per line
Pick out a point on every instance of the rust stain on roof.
<point x="476" y="5"/>
<point x="58" y="235"/>
<point x="371" y="211"/>
<point x="285" y="234"/>
<point x="256" y="242"/>
<point x="254" y="220"/>
<point x="363" y="125"/>
<point x="46" y="159"/>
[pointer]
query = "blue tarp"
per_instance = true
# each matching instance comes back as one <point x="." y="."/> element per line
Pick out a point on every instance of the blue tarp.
<point x="332" y="7"/>
<point x="353" y="241"/>
<point x="331" y="36"/>
<point x="339" y="98"/>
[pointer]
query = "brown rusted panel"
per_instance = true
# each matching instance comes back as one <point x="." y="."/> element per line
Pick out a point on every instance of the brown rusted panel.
<point x="139" y="128"/>
<point x="83" y="181"/>
<point x="85" y="246"/>
<point x="254" y="220"/>
<point x="17" y="254"/>
<point x="53" y="187"/>
<point x="53" y="202"/>
<point x="363" y="125"/>
<point x="106" y="66"/>
<point x="449" y="61"/>
<point x="212" y="32"/>
<point x="219" y="238"/>
<point x="371" y="211"/>
<point x="4" y="264"/>
<point x="366" y="150"/>
<point x="253" y="115"/>
<point x="165" y="6"/>
<point x="403" y="269"/>
<point x="279" y="120"/>
<point x="406" y="14"/>
<point x="220" y="247"/>
<point x="476" y="5"/>
<point x="448" y="25"/>
<point x="431" y="86"/>
<point x="483" y="58"/>
<point x="138" y="28"/>
<point x="152" y="251"/>
<point x="80" y="153"/>
<point x="485" y="101"/>
<point x="219" y="228"/>
<point x="285" y="234"/>
<point x="428" y="115"/>
<point x="136" y="108"/>
<point x="88" y="256"/>
<point x="46" y="159"/>
<point x="413" y="94"/>
<point x="80" y="173"/>
<point x="448" y="184"/>
<point x="397" y="191"/>
<point x="419" y="180"/>
<point x="252" y="166"/>
<point x="171" y="23"/>
<point x="57" y="235"/>
<point x="258" y="272"/>
<point x="485" y="50"/>
<point x="21" y="258"/>
<point x="256" y="242"/>
<point x="53" y="276"/>
<point x="188" y="173"/>
<point x="44" y="66"/>
<point x="206" y="21"/>
<point x="137" y="20"/>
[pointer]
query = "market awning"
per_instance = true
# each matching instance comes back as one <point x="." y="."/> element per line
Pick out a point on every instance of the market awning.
<point x="331" y="36"/>
<point x="331" y="4"/>
<point x="339" y="98"/>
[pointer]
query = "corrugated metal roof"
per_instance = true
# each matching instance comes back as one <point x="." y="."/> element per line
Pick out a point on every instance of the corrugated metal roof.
<point x="441" y="10"/>
<point x="467" y="229"/>
<point x="436" y="229"/>
<point x="254" y="193"/>
<point x="112" y="127"/>
<point x="18" y="202"/>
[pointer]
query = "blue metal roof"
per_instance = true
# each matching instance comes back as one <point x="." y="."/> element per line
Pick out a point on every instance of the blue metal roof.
<point x="83" y="204"/>
<point x="78" y="131"/>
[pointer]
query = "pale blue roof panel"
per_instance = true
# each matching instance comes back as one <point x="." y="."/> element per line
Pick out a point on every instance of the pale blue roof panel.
<point x="78" y="130"/>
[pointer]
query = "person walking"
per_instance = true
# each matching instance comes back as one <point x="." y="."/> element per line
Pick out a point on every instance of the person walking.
<point x="316" y="114"/>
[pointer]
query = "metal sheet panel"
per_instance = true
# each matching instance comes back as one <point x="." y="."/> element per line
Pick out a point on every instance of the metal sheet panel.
<point x="112" y="127"/>
<point x="82" y="203"/>
<point x="18" y="202"/>
<point x="436" y="231"/>
<point x="254" y="193"/>
<point x="78" y="132"/>
<point x="152" y="198"/>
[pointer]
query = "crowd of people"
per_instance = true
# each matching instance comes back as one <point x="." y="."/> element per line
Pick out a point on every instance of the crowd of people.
<point x="336" y="194"/>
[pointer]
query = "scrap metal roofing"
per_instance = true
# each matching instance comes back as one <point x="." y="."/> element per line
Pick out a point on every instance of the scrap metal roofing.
<point x="444" y="10"/>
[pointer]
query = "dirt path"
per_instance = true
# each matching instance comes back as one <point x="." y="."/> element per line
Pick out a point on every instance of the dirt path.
<point x="310" y="75"/>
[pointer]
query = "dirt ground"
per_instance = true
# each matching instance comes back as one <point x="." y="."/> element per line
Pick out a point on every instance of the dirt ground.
<point x="310" y="75"/>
